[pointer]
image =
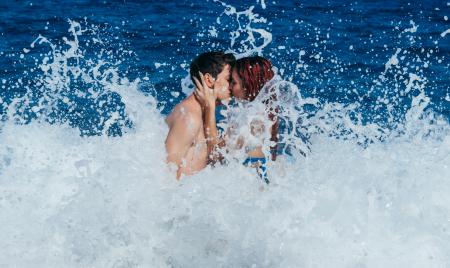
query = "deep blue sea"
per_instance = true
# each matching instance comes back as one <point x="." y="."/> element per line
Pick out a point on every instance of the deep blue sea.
<point x="344" y="45"/>
<point x="85" y="87"/>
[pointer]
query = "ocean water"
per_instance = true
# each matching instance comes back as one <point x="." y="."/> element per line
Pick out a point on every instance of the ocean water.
<point x="85" y="87"/>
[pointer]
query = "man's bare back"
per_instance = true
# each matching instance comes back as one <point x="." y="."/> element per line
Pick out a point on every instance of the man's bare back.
<point x="185" y="143"/>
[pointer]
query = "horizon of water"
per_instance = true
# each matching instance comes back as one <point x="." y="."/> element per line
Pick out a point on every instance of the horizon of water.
<point x="85" y="90"/>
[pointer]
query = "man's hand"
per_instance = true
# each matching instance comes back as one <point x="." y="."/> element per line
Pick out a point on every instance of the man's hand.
<point x="205" y="95"/>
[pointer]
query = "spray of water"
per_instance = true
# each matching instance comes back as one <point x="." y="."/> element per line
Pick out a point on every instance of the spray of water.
<point x="245" y="39"/>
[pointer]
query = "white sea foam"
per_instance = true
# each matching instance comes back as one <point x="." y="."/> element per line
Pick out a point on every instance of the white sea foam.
<point x="263" y="3"/>
<point x="393" y="60"/>
<point x="413" y="28"/>
<point x="69" y="201"/>
<point x="444" y="33"/>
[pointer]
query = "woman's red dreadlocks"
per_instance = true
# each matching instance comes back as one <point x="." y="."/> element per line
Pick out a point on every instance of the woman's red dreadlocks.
<point x="255" y="72"/>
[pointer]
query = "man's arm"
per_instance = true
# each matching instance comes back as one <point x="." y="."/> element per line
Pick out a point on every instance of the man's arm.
<point x="180" y="138"/>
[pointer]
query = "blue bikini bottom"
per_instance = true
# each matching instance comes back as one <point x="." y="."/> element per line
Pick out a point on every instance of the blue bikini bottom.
<point x="260" y="164"/>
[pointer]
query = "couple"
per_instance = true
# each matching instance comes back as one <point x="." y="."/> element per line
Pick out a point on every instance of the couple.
<point x="193" y="140"/>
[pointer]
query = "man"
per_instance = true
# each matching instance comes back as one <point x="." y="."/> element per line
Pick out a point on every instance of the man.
<point x="186" y="144"/>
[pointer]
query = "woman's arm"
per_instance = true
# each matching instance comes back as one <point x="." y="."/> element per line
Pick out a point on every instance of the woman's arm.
<point x="207" y="98"/>
<point x="213" y="140"/>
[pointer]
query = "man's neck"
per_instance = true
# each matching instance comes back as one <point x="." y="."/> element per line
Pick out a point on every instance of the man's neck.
<point x="192" y="100"/>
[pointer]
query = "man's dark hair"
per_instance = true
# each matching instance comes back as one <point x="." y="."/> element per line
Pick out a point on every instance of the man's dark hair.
<point x="210" y="62"/>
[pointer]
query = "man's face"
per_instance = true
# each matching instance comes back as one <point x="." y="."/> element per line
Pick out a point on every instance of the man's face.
<point x="222" y="83"/>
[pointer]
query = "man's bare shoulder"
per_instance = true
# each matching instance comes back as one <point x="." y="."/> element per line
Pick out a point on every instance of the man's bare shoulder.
<point x="185" y="114"/>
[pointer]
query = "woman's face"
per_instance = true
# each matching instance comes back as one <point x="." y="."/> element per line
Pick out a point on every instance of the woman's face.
<point x="236" y="88"/>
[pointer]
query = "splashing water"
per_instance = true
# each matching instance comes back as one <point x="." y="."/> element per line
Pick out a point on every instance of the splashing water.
<point x="67" y="76"/>
<point x="246" y="35"/>
<point x="373" y="191"/>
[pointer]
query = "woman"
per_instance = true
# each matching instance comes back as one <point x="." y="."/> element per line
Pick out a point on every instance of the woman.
<point x="252" y="121"/>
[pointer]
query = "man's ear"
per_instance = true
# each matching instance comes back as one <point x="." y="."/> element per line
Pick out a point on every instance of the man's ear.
<point x="209" y="80"/>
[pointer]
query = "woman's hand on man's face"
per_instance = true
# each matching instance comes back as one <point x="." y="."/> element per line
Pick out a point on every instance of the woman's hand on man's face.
<point x="205" y="95"/>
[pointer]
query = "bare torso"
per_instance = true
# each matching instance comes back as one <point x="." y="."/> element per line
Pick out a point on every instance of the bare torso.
<point x="190" y="112"/>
